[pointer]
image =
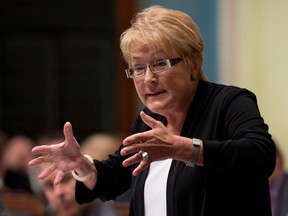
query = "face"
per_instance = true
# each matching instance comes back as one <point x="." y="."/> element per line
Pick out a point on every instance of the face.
<point x="62" y="196"/>
<point x="18" y="152"/>
<point x="168" y="92"/>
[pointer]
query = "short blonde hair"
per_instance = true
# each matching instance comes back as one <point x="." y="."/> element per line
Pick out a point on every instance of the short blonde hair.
<point x="166" y="29"/>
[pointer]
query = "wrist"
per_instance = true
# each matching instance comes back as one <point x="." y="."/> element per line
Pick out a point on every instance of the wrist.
<point x="81" y="173"/>
<point x="196" y="143"/>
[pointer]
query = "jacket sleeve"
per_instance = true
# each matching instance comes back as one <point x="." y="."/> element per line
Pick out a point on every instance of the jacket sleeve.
<point x="113" y="180"/>
<point x="246" y="145"/>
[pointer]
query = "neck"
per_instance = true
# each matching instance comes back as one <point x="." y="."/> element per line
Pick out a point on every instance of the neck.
<point x="178" y="121"/>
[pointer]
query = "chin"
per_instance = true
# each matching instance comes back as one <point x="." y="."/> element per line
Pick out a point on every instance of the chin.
<point x="156" y="110"/>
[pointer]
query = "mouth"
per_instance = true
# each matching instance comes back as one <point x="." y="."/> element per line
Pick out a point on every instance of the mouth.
<point x="155" y="94"/>
<point x="64" y="204"/>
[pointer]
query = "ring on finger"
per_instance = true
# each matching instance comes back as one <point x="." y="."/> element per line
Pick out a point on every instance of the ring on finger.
<point x="144" y="155"/>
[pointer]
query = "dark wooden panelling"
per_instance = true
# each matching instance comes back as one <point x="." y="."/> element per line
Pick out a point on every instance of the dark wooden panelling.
<point x="60" y="61"/>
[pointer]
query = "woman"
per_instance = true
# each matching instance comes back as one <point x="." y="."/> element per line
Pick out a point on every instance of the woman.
<point x="197" y="148"/>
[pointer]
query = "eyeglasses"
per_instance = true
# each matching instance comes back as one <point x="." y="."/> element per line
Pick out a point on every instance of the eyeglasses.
<point x="157" y="67"/>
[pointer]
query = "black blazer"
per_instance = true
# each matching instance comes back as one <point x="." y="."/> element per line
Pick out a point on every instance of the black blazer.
<point x="239" y="157"/>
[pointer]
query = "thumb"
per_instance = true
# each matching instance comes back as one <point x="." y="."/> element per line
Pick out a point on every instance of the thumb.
<point x="68" y="132"/>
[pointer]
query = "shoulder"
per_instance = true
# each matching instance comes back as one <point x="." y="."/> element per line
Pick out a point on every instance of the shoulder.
<point x="222" y="92"/>
<point x="223" y="88"/>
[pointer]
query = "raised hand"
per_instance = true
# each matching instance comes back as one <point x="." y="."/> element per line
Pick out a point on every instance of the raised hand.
<point x="64" y="157"/>
<point x="157" y="142"/>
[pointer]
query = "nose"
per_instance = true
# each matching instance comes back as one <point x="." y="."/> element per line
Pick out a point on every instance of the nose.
<point x="59" y="189"/>
<point x="149" y="76"/>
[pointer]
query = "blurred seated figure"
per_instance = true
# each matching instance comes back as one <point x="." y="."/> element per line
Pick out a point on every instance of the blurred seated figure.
<point x="3" y="139"/>
<point x="16" y="194"/>
<point x="61" y="198"/>
<point x="279" y="187"/>
<point x="16" y="156"/>
<point x="62" y="201"/>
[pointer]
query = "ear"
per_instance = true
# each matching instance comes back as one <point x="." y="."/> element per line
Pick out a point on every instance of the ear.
<point x="192" y="77"/>
<point x="194" y="73"/>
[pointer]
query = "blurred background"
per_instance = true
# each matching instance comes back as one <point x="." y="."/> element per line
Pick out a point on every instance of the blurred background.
<point x="60" y="61"/>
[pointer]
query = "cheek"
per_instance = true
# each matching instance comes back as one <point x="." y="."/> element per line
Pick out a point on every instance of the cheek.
<point x="139" y="86"/>
<point x="51" y="197"/>
<point x="71" y="186"/>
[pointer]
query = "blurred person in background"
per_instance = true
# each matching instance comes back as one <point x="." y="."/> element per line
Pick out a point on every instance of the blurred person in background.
<point x="278" y="182"/>
<point x="3" y="210"/>
<point x="17" y="153"/>
<point x="61" y="198"/>
<point x="3" y="140"/>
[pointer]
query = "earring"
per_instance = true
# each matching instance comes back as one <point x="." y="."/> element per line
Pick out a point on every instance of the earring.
<point x="192" y="77"/>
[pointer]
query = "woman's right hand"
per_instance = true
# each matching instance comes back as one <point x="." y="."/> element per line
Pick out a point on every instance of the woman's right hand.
<point x="64" y="157"/>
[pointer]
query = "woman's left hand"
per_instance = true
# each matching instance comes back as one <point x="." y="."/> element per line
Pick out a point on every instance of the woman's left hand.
<point x="158" y="142"/>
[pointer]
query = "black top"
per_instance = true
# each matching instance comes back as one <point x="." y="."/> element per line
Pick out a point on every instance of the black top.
<point x="239" y="156"/>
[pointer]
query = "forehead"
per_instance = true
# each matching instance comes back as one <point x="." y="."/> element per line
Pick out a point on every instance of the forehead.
<point x="44" y="166"/>
<point x="138" y="49"/>
<point x="49" y="180"/>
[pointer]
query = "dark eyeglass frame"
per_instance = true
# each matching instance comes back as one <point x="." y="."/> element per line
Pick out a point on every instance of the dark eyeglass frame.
<point x="168" y="63"/>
